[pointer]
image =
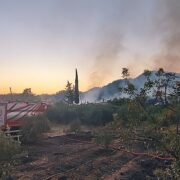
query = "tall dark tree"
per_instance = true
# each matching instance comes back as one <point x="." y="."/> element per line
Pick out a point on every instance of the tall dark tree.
<point x="76" y="89"/>
<point x="125" y="73"/>
<point x="69" y="95"/>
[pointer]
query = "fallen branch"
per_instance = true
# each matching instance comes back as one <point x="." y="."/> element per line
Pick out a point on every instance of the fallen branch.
<point x="147" y="154"/>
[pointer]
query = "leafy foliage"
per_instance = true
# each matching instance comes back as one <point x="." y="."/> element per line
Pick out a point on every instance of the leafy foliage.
<point x="154" y="125"/>
<point x="69" y="95"/>
<point x="9" y="148"/>
<point x="87" y="114"/>
<point x="104" y="138"/>
<point x="75" y="126"/>
<point x="33" y="127"/>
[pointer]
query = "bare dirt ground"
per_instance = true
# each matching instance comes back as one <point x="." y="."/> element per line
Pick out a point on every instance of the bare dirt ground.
<point x="77" y="157"/>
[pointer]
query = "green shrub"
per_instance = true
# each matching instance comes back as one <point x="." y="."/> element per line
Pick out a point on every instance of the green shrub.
<point x="171" y="172"/>
<point x="62" y="113"/>
<point x="104" y="138"/>
<point x="33" y="127"/>
<point x="9" y="148"/>
<point x="88" y="114"/>
<point x="75" y="126"/>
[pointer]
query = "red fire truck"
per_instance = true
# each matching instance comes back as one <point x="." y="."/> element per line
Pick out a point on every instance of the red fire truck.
<point x="12" y="114"/>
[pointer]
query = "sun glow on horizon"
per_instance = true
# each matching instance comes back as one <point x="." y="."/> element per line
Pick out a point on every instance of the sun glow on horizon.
<point x="41" y="50"/>
<point x="53" y="83"/>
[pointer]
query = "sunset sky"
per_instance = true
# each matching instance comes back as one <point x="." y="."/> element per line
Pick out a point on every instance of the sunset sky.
<point x="43" y="41"/>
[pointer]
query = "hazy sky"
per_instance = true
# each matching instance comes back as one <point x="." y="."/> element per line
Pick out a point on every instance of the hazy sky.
<point x="43" y="41"/>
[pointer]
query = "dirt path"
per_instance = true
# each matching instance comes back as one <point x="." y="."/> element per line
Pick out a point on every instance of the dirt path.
<point x="77" y="157"/>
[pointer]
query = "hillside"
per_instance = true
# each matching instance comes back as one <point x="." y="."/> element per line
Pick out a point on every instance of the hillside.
<point x="111" y="90"/>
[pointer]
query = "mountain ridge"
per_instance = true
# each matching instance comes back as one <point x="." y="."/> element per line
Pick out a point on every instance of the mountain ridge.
<point x="111" y="90"/>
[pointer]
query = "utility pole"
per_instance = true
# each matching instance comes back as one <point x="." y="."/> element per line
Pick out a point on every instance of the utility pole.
<point x="11" y="93"/>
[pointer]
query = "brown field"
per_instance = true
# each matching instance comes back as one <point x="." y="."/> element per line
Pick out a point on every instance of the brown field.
<point x="76" y="156"/>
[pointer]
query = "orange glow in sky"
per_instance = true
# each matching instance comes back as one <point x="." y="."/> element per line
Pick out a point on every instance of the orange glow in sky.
<point x="42" y="41"/>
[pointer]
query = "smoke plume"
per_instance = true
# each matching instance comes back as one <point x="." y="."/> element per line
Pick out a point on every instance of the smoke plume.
<point x="169" y="27"/>
<point x="108" y="45"/>
<point x="106" y="57"/>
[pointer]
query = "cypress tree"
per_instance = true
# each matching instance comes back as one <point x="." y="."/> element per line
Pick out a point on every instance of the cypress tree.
<point x="76" y="89"/>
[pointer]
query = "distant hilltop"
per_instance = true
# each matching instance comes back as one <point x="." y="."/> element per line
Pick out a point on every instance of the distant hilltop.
<point x="94" y="95"/>
<point x="111" y="90"/>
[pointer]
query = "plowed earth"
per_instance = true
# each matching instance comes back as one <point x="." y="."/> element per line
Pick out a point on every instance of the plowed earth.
<point x="77" y="157"/>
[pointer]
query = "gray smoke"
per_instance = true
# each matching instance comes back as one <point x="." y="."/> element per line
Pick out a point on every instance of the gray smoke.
<point x="108" y="45"/>
<point x="169" y="26"/>
<point x="106" y="58"/>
